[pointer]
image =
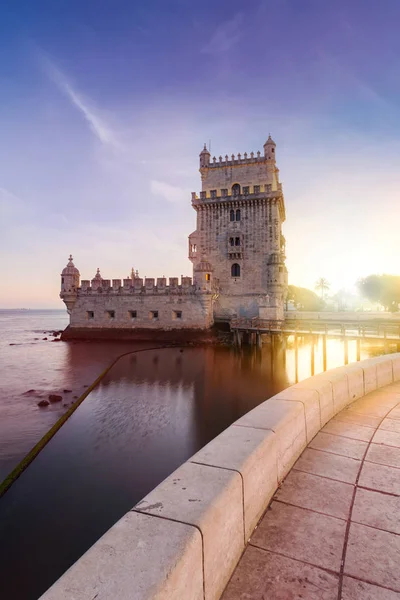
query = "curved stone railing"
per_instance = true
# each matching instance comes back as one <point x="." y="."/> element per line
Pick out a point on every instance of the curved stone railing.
<point x="184" y="539"/>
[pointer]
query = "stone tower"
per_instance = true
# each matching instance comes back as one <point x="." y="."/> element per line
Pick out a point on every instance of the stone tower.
<point x="240" y="213"/>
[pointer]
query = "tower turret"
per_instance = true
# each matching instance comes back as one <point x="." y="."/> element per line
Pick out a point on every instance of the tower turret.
<point x="204" y="157"/>
<point x="202" y="276"/>
<point x="97" y="280"/>
<point x="69" y="284"/>
<point x="269" y="149"/>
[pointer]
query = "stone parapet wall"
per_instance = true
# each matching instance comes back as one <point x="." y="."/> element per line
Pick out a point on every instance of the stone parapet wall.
<point x="135" y="311"/>
<point x="184" y="539"/>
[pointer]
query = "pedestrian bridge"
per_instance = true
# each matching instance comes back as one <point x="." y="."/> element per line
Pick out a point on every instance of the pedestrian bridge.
<point x="299" y="498"/>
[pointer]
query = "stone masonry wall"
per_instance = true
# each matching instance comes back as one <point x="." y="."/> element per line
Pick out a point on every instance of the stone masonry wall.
<point x="259" y="172"/>
<point x="116" y="311"/>
<point x="259" y="230"/>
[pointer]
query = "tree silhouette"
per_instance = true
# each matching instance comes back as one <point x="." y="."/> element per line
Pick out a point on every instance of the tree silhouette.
<point x="322" y="284"/>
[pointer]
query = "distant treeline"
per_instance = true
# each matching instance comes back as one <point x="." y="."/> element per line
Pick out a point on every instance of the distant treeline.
<point x="380" y="289"/>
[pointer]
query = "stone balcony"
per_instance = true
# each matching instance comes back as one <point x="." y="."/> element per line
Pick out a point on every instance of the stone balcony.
<point x="207" y="197"/>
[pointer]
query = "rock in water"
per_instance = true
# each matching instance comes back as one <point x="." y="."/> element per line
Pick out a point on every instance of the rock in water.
<point x="43" y="403"/>
<point x="55" y="398"/>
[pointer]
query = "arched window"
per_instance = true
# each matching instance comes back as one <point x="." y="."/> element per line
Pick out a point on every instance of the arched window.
<point x="236" y="189"/>
<point x="238" y="214"/>
<point x="231" y="241"/>
<point x="232" y="215"/>
<point x="235" y="270"/>
<point x="237" y="241"/>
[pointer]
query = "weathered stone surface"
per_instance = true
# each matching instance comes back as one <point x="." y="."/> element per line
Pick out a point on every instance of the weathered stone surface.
<point x="310" y="401"/>
<point x="374" y="556"/>
<point x="384" y="371"/>
<point x="370" y="378"/>
<point x="384" y="455"/>
<point x="380" y="477"/>
<point x="303" y="535"/>
<point x="325" y="392"/>
<point x="316" y="493"/>
<point x="211" y="499"/>
<point x="377" y="510"/>
<point x="264" y="575"/>
<point x="325" y="464"/>
<point x="351" y="416"/>
<point x="287" y="420"/>
<point x="251" y="452"/>
<point x="390" y="425"/>
<point x="339" y="445"/>
<point x="387" y="438"/>
<point x="140" y="557"/>
<point x="359" y="590"/>
<point x="349" y="430"/>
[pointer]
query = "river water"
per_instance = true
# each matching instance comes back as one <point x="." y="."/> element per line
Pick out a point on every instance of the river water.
<point x="151" y="412"/>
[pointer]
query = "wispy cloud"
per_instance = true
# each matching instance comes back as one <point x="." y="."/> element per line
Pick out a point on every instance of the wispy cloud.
<point x="225" y="36"/>
<point x="172" y="193"/>
<point x="104" y="133"/>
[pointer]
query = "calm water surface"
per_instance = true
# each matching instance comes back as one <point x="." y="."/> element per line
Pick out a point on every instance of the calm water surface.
<point x="45" y="366"/>
<point x="151" y="412"/>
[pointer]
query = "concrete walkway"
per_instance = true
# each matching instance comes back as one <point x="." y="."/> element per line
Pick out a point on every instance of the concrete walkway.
<point x="332" y="531"/>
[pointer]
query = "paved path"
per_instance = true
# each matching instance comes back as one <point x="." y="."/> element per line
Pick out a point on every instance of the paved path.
<point x="332" y="531"/>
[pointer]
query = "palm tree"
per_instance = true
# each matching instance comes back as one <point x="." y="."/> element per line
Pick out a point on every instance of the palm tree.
<point x="322" y="284"/>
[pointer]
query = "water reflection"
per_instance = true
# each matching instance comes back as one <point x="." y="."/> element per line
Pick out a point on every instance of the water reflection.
<point x="150" y="413"/>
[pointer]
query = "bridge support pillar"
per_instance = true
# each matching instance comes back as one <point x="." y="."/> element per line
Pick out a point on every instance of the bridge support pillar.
<point x="258" y="340"/>
<point x="312" y="356"/>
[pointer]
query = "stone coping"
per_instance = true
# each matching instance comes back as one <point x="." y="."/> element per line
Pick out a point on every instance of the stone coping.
<point x="185" y="538"/>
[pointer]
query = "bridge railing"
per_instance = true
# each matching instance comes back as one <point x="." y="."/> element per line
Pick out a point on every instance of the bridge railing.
<point x="256" y="323"/>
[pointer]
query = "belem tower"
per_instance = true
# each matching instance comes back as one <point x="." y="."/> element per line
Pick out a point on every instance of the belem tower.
<point x="237" y="251"/>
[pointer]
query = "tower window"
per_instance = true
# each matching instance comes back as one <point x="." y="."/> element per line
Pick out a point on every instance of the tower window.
<point x="231" y="241"/>
<point x="232" y="215"/>
<point x="213" y="193"/>
<point x="153" y="315"/>
<point x="62" y="279"/>
<point x="235" y="270"/>
<point x="256" y="189"/>
<point x="238" y="214"/>
<point x="208" y="277"/>
<point x="133" y="314"/>
<point x="236" y="189"/>
<point x="272" y="149"/>
<point x="90" y="314"/>
<point x="224" y="192"/>
<point x="237" y="241"/>
<point x="111" y="314"/>
<point x="177" y="314"/>
<point x="246" y="190"/>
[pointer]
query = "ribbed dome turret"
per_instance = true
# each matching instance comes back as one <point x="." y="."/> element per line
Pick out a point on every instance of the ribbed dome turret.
<point x="270" y="141"/>
<point x="203" y="266"/>
<point x="70" y="269"/>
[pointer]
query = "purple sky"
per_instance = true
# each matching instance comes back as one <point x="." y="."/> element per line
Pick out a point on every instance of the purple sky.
<point x="105" y="107"/>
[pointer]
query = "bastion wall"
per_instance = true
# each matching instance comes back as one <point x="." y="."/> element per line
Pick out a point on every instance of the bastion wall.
<point x="136" y="309"/>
